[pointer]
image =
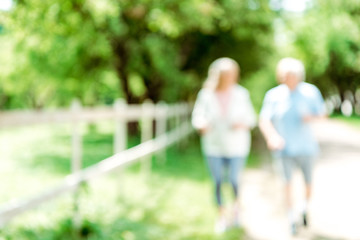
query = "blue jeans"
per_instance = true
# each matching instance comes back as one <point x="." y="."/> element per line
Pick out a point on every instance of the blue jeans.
<point x="220" y="167"/>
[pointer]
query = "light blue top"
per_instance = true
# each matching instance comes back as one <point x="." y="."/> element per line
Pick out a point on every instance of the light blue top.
<point x="286" y="109"/>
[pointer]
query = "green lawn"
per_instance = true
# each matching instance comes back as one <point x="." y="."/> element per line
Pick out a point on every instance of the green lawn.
<point x="173" y="202"/>
<point x="353" y="120"/>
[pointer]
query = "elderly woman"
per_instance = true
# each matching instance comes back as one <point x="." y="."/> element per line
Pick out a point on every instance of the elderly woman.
<point x="223" y="115"/>
<point x="284" y="121"/>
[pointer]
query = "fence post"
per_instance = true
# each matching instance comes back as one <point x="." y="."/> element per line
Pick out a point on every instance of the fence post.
<point x="184" y="120"/>
<point x="178" y="115"/>
<point x="146" y="131"/>
<point x="76" y="160"/>
<point x="189" y="108"/>
<point x="120" y="136"/>
<point x="76" y="137"/>
<point x="161" y="125"/>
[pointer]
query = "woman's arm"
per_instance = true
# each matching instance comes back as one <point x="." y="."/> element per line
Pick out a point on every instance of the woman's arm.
<point x="248" y="120"/>
<point x="199" y="117"/>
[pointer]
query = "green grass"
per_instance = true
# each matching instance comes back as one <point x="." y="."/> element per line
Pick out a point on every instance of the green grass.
<point x="173" y="202"/>
<point x="353" y="120"/>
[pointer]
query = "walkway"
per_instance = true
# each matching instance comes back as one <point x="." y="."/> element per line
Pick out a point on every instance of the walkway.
<point x="335" y="206"/>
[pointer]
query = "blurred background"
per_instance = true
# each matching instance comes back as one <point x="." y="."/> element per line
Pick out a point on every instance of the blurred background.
<point x="97" y="51"/>
<point x="52" y="52"/>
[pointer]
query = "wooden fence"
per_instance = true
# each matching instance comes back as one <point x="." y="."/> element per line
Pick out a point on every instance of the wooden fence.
<point x="121" y="113"/>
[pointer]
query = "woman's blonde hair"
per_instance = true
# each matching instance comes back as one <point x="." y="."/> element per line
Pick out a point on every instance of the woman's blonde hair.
<point x="217" y="67"/>
<point x="290" y="65"/>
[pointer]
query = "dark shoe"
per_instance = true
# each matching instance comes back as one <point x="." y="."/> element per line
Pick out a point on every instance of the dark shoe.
<point x="305" y="221"/>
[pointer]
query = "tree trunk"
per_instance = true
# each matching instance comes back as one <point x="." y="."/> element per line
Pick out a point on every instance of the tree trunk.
<point x="120" y="63"/>
<point x="4" y="99"/>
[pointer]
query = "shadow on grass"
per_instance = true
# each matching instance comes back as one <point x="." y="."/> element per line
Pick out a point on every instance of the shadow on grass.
<point x="146" y="227"/>
<point x="121" y="229"/>
<point x="56" y="156"/>
<point x="154" y="218"/>
<point x="184" y="161"/>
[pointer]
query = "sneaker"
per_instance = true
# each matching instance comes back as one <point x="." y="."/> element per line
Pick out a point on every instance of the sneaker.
<point x="293" y="229"/>
<point x="235" y="218"/>
<point x="236" y="222"/>
<point x="220" y="225"/>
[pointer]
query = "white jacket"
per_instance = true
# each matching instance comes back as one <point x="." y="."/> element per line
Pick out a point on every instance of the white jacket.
<point x="221" y="139"/>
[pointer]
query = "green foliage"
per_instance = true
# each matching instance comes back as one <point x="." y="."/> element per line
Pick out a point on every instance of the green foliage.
<point x="58" y="54"/>
<point x="327" y="38"/>
<point x="98" y="51"/>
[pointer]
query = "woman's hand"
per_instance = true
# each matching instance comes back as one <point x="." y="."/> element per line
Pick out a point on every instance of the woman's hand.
<point x="203" y="130"/>
<point x="239" y="125"/>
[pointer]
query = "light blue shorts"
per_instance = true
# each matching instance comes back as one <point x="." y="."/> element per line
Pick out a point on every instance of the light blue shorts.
<point x="304" y="163"/>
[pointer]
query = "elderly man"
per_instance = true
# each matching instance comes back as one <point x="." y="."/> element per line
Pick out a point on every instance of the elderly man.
<point x="284" y="121"/>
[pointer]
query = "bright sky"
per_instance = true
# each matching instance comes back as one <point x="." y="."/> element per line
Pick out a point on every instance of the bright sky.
<point x="295" y="5"/>
<point x="5" y="4"/>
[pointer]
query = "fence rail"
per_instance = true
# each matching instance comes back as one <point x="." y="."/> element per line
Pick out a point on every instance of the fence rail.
<point x="132" y="113"/>
<point x="121" y="114"/>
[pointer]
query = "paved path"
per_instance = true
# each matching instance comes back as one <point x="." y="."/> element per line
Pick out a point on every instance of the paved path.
<point x="335" y="206"/>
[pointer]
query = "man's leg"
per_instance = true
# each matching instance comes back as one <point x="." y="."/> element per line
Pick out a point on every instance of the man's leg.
<point x="287" y="165"/>
<point x="306" y="164"/>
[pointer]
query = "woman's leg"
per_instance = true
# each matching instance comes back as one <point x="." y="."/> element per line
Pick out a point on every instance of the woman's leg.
<point x="236" y="166"/>
<point x="215" y="165"/>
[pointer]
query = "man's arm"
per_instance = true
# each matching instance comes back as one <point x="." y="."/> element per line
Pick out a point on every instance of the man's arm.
<point x="273" y="139"/>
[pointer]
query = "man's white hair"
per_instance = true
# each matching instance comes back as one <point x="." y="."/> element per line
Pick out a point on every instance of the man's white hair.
<point x="290" y="65"/>
<point x="218" y="66"/>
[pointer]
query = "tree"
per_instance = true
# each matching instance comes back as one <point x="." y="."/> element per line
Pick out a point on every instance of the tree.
<point x="100" y="50"/>
<point x="327" y="38"/>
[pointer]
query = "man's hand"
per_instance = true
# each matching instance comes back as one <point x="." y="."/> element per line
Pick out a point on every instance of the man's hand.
<point x="273" y="139"/>
<point x="311" y="118"/>
<point x="275" y="142"/>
